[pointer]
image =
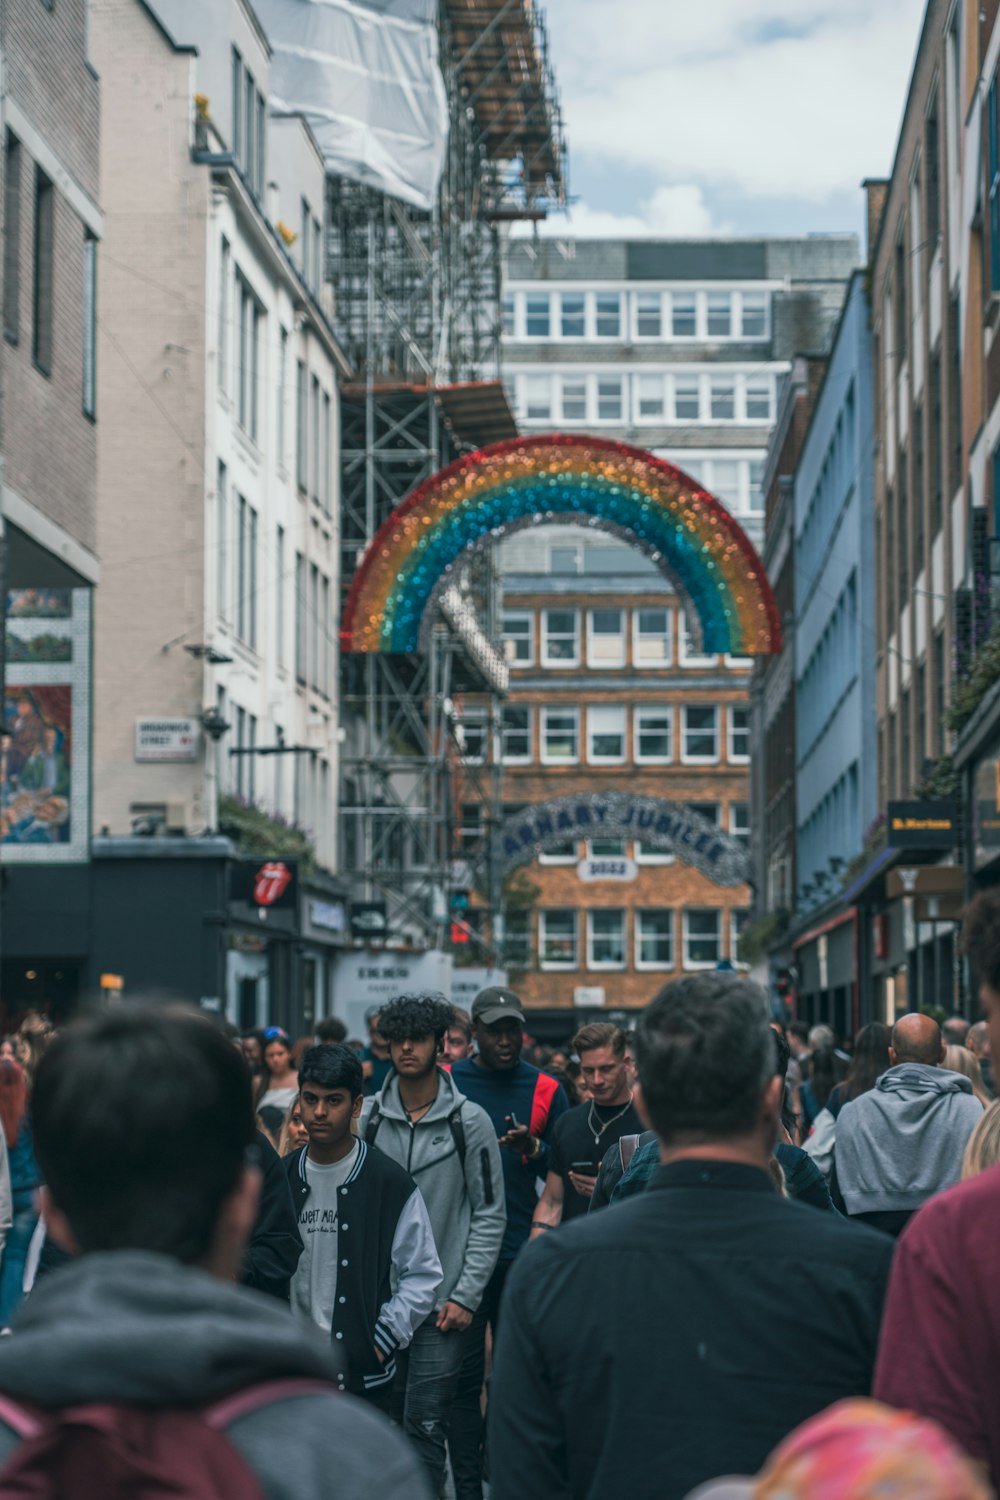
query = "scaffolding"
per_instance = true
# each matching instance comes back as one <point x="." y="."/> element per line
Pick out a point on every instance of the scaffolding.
<point x="417" y="310"/>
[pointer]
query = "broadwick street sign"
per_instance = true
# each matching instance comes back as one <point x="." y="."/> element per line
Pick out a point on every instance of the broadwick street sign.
<point x="663" y="825"/>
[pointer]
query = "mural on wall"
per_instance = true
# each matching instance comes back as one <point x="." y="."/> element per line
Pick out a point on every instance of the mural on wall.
<point x="44" y="788"/>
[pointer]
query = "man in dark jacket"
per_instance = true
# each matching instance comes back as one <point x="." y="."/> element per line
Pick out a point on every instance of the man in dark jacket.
<point x="755" y="1314"/>
<point x="144" y="1132"/>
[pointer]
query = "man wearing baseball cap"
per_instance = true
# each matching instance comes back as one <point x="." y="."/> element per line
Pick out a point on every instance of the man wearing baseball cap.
<point x="523" y="1105"/>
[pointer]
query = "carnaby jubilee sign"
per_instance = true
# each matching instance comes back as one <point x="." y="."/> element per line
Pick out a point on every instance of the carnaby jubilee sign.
<point x="661" y="824"/>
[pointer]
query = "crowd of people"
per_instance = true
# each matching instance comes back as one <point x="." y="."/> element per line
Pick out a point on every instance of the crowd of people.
<point x="717" y="1257"/>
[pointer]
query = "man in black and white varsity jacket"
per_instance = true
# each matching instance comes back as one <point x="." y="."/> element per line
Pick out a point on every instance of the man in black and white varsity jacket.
<point x="370" y="1270"/>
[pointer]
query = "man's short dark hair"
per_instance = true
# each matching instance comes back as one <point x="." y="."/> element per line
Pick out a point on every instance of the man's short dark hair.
<point x="408" y="1018"/>
<point x="704" y="1053"/>
<point x="142" y="1119"/>
<point x="799" y="1030"/>
<point x="980" y="941"/>
<point x="331" y="1065"/>
<point x="599" y="1034"/>
<point x="331" y="1029"/>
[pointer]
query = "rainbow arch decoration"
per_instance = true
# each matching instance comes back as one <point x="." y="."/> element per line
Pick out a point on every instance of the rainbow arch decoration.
<point x="565" y="478"/>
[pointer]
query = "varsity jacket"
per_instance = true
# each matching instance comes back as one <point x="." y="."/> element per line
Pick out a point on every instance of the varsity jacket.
<point x="388" y="1272"/>
<point x="453" y="1157"/>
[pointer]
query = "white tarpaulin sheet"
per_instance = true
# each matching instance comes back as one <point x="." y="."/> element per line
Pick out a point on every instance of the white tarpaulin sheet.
<point x="365" y="74"/>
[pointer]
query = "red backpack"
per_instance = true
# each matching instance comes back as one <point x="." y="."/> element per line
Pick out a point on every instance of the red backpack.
<point x="103" y="1452"/>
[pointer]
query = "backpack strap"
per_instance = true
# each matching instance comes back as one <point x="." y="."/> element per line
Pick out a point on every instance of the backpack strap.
<point x="627" y="1145"/>
<point x="545" y="1091"/>
<point x="26" y="1421"/>
<point x="230" y="1409"/>
<point x="372" y="1125"/>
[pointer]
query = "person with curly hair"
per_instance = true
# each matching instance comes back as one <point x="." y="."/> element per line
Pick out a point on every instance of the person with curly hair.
<point x="449" y="1147"/>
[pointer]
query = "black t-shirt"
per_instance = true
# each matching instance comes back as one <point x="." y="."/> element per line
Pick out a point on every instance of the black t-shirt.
<point x="573" y="1141"/>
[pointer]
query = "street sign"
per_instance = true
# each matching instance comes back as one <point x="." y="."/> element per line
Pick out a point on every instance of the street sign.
<point x="923" y="825"/>
<point x="166" y="739"/>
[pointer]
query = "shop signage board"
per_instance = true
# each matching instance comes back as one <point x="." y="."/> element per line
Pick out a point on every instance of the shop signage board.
<point x="923" y="825"/>
<point x="607" y="867"/>
<point x="371" y="976"/>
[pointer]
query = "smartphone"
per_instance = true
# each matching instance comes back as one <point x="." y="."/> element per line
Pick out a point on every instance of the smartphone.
<point x="513" y="1123"/>
<point x="584" y="1168"/>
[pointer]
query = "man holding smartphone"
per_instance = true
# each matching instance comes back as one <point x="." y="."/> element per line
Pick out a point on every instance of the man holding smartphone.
<point x="524" y="1105"/>
<point x="585" y="1133"/>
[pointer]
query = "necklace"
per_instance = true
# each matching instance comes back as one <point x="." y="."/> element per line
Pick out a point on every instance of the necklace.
<point x="418" y="1109"/>
<point x="598" y="1129"/>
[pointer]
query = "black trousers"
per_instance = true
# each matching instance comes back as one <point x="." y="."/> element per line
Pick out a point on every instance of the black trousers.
<point x="466" y="1428"/>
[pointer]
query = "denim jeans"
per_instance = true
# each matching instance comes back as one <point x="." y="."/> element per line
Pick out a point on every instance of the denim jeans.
<point x="15" y="1253"/>
<point x="433" y="1367"/>
<point x="465" y="1431"/>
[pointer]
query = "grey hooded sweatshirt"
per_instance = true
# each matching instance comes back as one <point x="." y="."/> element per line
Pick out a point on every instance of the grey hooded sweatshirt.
<point x="132" y="1327"/>
<point x="903" y="1140"/>
<point x="465" y="1205"/>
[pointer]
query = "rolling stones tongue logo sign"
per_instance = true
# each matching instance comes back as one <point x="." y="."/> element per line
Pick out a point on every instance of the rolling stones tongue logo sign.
<point x="270" y="883"/>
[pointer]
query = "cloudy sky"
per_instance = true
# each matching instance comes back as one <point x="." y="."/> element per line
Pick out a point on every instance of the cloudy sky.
<point x="728" y="116"/>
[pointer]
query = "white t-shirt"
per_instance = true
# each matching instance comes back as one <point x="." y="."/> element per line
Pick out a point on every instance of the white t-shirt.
<point x="314" y="1285"/>
<point x="280" y="1098"/>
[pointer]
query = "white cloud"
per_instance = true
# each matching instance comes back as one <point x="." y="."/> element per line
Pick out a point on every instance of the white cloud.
<point x="762" y="98"/>
<point x="676" y="212"/>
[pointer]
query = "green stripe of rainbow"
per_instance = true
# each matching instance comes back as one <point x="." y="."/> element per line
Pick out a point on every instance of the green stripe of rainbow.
<point x="513" y="485"/>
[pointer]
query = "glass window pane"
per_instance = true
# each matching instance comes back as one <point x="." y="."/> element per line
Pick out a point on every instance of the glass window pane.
<point x="726" y="480"/>
<point x="687" y="400"/>
<point x="606" y="939"/>
<point x="606" y="848"/>
<point x="516" y="733"/>
<point x="739" y="734"/>
<point x="536" y="315"/>
<point x="758" y="401"/>
<point x="560" y="734"/>
<point x="561" y="641"/>
<point x="650" y="396"/>
<point x="753" y="324"/>
<point x="702" y="938"/>
<point x="606" y="733"/>
<point x="571" y="315"/>
<point x="723" y="400"/>
<point x="652" y="637"/>
<point x="701" y="732"/>
<point x="609" y="400"/>
<point x="518" y="632"/>
<point x="574" y="400"/>
<point x="683" y="315"/>
<point x="720" y="319"/>
<point x="757" y="486"/>
<point x="609" y="315"/>
<point x="654" y="939"/>
<point x="557" y="938"/>
<point x="654" y="733"/>
<point x="648" y="315"/>
<point x="507" y="314"/>
<point x="536" y="397"/>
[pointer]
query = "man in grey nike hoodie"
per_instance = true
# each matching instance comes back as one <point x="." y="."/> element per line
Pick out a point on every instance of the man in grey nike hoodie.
<point x="144" y="1131"/>
<point x="902" y="1141"/>
<point x="449" y="1147"/>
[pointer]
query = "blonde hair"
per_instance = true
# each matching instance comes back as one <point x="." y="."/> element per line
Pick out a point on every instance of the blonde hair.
<point x="285" y="1145"/>
<point x="777" y="1174"/>
<point x="983" y="1149"/>
<point x="961" y="1060"/>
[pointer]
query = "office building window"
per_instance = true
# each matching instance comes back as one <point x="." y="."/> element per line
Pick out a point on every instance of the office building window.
<point x="222" y="541"/>
<point x="474" y="735"/>
<point x="722" y="397"/>
<point x="652" y="645"/>
<point x="606" y="849"/>
<point x="43" y="273"/>
<point x="710" y="811"/>
<point x="758" y="398"/>
<point x="702" y="939"/>
<point x="279" y="596"/>
<point x="560" y="736"/>
<point x="606" y="638"/>
<point x="325" y="636"/>
<point x="683" y="315"/>
<point x="517" y="940"/>
<point x="691" y="656"/>
<point x="518" y="629"/>
<point x="605" y="939"/>
<point x="326" y="458"/>
<point x="572" y="315"/>
<point x="536" y="398"/>
<point x="12" y="238"/>
<point x="557" y="939"/>
<point x="726" y="481"/>
<point x="246" y="573"/>
<point x="249" y="362"/>
<point x="650" y="405"/>
<point x="280" y="439"/>
<point x="755" y="496"/>
<point x="560" y="854"/>
<point x="609" y="399"/>
<point x="537" y="321"/>
<point x="654" y="940"/>
<point x="699" y="733"/>
<point x="300" y="618"/>
<point x="608" y="315"/>
<point x="739" y="821"/>
<point x="720" y="315"/>
<point x="516" y="735"/>
<point x="753" y="315"/>
<point x="507" y="315"/>
<point x="566" y="559"/>
<point x="89" y="324"/>
<point x="649" y="854"/>
<point x="648" y="315"/>
<point x="653" y="731"/>
<point x="237" y="87"/>
<point x="301" y="426"/>
<point x="574" y="400"/>
<point x="687" y="399"/>
<point x="314" y="433"/>
<point x="739" y="734"/>
<point x="606" y="734"/>
<point x="560" y="637"/>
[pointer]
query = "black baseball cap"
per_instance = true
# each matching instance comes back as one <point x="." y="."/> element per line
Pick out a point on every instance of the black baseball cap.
<point x="496" y="1004"/>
